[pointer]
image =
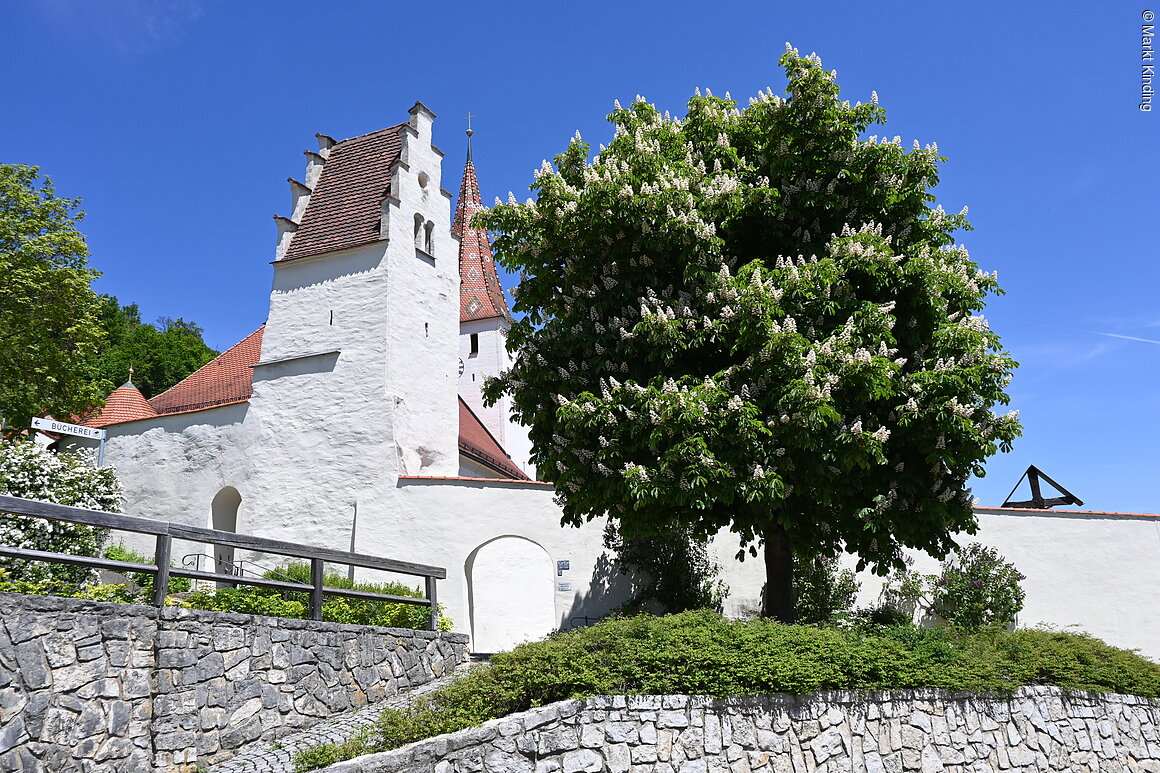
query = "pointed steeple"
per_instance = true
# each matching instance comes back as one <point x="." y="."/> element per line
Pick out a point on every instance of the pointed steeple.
<point x="480" y="293"/>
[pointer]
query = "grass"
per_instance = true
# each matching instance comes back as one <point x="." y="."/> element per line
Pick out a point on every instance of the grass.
<point x="704" y="653"/>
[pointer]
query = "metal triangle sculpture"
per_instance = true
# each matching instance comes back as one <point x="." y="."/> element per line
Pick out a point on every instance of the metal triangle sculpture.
<point x="1038" y="501"/>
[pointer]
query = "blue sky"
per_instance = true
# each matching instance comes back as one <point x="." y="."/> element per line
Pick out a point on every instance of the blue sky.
<point x="178" y="121"/>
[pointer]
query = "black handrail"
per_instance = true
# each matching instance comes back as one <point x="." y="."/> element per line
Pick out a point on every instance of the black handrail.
<point x="166" y="532"/>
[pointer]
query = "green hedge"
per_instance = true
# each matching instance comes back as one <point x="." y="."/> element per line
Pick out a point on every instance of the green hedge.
<point x="705" y="654"/>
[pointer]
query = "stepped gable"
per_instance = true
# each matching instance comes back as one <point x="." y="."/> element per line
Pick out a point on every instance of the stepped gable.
<point x="480" y="294"/>
<point x="346" y="205"/>
<point x="475" y="442"/>
<point x="125" y="403"/>
<point x="226" y="379"/>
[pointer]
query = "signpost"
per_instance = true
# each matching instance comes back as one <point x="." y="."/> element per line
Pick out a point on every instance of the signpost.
<point x="64" y="428"/>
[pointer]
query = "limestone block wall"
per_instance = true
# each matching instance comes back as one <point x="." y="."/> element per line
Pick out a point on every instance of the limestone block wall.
<point x="113" y="688"/>
<point x="1036" y="729"/>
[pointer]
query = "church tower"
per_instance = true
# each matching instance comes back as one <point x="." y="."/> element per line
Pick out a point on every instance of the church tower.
<point x="484" y="321"/>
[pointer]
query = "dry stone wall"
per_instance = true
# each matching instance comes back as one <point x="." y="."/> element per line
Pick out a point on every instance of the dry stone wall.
<point x="1036" y="729"/>
<point x="114" y="688"/>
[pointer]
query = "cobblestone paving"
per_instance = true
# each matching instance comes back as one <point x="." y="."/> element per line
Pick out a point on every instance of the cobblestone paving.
<point x="278" y="756"/>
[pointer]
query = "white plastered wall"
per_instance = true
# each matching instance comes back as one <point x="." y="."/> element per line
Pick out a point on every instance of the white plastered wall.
<point x="171" y="468"/>
<point x="444" y="521"/>
<point x="492" y="359"/>
<point x="421" y="312"/>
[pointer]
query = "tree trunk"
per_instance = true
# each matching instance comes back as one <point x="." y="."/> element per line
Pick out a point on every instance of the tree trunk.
<point x="778" y="600"/>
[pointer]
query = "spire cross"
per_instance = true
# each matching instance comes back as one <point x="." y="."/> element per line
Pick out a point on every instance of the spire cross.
<point x="469" y="133"/>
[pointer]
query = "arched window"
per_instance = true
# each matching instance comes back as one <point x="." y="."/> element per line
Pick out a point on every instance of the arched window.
<point x="429" y="238"/>
<point x="419" y="235"/>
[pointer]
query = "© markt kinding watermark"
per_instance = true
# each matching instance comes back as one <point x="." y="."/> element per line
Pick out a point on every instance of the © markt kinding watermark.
<point x="1147" y="60"/>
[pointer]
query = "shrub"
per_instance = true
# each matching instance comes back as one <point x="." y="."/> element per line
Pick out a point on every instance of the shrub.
<point x="671" y="572"/>
<point x="144" y="580"/>
<point x="335" y="609"/>
<point x="32" y="472"/>
<point x="978" y="587"/>
<point x="126" y="593"/>
<point x="250" y="601"/>
<point x="823" y="592"/>
<point x="704" y="653"/>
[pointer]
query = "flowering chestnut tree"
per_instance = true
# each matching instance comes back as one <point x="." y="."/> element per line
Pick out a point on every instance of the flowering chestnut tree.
<point x="754" y="319"/>
<point x="32" y="472"/>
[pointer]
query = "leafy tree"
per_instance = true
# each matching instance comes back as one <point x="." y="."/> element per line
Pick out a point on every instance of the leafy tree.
<point x="160" y="355"/>
<point x="32" y="472"/>
<point x="48" y="310"/>
<point x="754" y="319"/>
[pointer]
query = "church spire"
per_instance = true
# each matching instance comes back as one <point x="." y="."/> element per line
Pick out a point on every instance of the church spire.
<point x="480" y="294"/>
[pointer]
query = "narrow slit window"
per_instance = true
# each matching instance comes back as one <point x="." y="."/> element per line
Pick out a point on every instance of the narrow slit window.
<point x="475" y="343"/>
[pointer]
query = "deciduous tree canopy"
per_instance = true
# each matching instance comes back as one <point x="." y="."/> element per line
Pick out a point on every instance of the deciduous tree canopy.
<point x="160" y="355"/>
<point x="48" y="311"/>
<point x="754" y="319"/>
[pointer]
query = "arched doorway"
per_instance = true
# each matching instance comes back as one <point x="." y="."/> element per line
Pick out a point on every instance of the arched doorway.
<point x="510" y="593"/>
<point x="225" y="518"/>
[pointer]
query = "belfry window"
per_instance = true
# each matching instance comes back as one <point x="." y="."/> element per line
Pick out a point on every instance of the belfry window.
<point x="429" y="238"/>
<point x="419" y="231"/>
<point x="475" y="343"/>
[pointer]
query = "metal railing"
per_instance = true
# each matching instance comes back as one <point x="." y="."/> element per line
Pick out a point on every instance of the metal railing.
<point x="166" y="531"/>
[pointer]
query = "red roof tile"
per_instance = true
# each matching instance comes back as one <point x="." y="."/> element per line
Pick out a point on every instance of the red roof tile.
<point x="125" y="403"/>
<point x="346" y="207"/>
<point x="475" y="442"/>
<point x="228" y="378"/>
<point x="480" y="294"/>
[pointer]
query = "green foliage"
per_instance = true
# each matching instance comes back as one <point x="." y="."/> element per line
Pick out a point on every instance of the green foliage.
<point x="143" y="581"/>
<point x="247" y="600"/>
<point x="671" y="571"/>
<point x="160" y="355"/>
<point x="125" y="593"/>
<point x="705" y="654"/>
<point x="335" y="609"/>
<point x="358" y="611"/>
<point x="754" y="319"/>
<point x="978" y="587"/>
<point x="823" y="592"/>
<point x="48" y="310"/>
<point x="29" y="471"/>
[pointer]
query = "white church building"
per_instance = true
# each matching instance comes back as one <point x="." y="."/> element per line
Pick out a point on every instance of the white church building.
<point x="353" y="419"/>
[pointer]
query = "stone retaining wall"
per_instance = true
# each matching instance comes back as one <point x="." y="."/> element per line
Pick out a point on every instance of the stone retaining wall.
<point x="1037" y="729"/>
<point x="123" y="688"/>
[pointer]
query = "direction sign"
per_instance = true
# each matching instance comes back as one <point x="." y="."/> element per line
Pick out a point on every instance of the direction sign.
<point x="64" y="428"/>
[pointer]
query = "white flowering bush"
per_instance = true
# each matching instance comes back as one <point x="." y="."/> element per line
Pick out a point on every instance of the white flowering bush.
<point x="32" y="472"/>
<point x="754" y="318"/>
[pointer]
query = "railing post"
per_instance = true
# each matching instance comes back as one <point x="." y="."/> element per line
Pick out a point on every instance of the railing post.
<point x="316" y="589"/>
<point x="433" y="619"/>
<point x="161" y="580"/>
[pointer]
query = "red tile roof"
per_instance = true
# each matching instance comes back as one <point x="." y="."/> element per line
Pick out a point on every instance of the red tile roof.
<point x="480" y="294"/>
<point x="125" y="403"/>
<point x="228" y="378"/>
<point x="346" y="207"/>
<point x="475" y="442"/>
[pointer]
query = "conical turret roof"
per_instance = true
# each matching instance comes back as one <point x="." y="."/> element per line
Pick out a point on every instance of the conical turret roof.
<point x="125" y="403"/>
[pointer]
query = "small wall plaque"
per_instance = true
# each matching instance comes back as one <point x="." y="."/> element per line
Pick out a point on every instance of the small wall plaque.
<point x="564" y="586"/>
<point x="561" y="566"/>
